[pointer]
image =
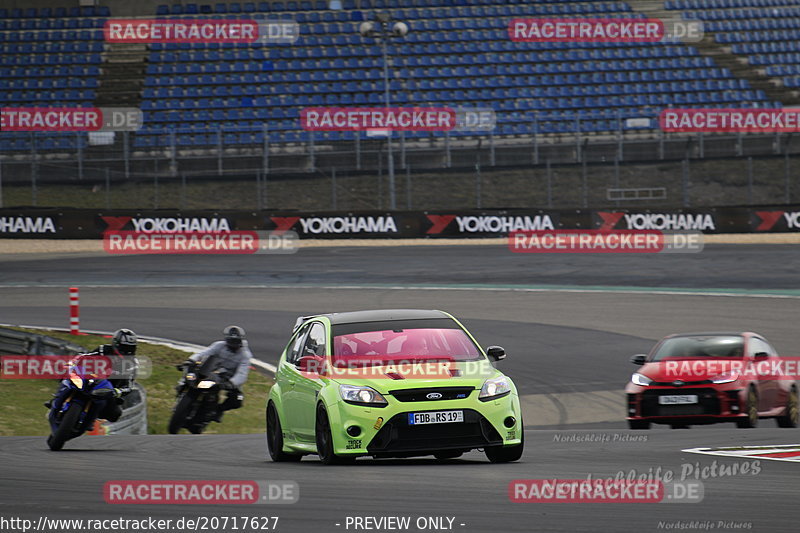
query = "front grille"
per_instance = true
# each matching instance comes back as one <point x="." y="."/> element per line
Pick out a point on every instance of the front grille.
<point x="682" y="383"/>
<point x="397" y="436"/>
<point x="421" y="395"/>
<point x="707" y="403"/>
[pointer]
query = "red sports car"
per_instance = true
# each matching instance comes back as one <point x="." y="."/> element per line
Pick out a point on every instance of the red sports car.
<point x="703" y="378"/>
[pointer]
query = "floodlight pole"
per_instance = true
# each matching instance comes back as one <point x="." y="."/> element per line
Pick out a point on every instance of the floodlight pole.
<point x="384" y="35"/>
<point x="386" y="96"/>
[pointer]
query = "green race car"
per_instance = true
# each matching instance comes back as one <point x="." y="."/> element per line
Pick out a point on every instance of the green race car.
<point x="390" y="383"/>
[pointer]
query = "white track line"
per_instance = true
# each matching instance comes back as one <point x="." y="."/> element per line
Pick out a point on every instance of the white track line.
<point x="750" y="452"/>
<point x="686" y="292"/>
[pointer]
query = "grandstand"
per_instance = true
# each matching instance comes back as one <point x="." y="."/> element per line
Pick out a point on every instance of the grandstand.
<point x="245" y="99"/>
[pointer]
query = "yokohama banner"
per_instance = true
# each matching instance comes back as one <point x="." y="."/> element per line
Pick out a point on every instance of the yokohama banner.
<point x="44" y="223"/>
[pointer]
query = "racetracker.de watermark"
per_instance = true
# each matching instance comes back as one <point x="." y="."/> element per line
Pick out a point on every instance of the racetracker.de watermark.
<point x="723" y="371"/>
<point x="605" y="241"/>
<point x="383" y="119"/>
<point x="730" y="120"/>
<point x="603" y="491"/>
<point x="605" y="30"/>
<point x="188" y="243"/>
<point x="389" y="367"/>
<point x="200" y="492"/>
<point x="150" y="31"/>
<point x="66" y="119"/>
<point x="66" y="366"/>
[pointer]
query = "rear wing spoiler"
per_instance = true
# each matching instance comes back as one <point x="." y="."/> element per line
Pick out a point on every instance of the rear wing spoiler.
<point x="300" y="321"/>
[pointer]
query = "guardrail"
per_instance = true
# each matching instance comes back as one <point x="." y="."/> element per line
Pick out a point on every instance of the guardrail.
<point x="134" y="415"/>
<point x="21" y="342"/>
<point x="134" y="411"/>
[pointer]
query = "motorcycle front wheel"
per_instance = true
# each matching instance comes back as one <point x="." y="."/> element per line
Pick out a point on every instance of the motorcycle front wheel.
<point x="65" y="428"/>
<point x="180" y="414"/>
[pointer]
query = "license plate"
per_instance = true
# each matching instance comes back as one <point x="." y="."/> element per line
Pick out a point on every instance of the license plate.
<point x="677" y="399"/>
<point x="435" y="417"/>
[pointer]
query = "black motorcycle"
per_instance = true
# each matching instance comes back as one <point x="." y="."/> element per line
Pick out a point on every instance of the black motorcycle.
<point x="198" y="396"/>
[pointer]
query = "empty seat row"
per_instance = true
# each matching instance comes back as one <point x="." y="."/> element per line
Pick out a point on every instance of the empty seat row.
<point x="732" y="14"/>
<point x="50" y="24"/>
<point x="53" y="48"/>
<point x="74" y="71"/>
<point x="48" y="83"/>
<point x="752" y="25"/>
<point x="46" y="36"/>
<point x="775" y="59"/>
<point x="769" y="36"/>
<point x="47" y="96"/>
<point x="57" y="12"/>
<point x="53" y="59"/>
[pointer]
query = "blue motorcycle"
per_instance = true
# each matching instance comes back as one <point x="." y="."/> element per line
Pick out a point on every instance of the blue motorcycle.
<point x="76" y="405"/>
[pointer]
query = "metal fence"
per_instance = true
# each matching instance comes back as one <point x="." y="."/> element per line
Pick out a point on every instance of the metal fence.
<point x="351" y="174"/>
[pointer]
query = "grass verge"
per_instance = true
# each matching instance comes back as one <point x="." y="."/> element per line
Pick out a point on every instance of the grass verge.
<point x="23" y="413"/>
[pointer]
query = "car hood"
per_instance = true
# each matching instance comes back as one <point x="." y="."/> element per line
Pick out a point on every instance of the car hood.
<point x="391" y="377"/>
<point x="688" y="369"/>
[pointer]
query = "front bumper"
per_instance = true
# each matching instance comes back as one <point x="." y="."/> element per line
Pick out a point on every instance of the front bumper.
<point x="713" y="405"/>
<point x="386" y="432"/>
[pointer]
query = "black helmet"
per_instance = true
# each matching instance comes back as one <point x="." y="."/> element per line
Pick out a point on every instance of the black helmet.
<point x="124" y="342"/>
<point x="234" y="335"/>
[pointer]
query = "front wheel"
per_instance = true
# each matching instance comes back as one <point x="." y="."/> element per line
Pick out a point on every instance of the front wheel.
<point x="325" y="441"/>
<point x="639" y="424"/>
<point x="789" y="418"/>
<point x="65" y="428"/>
<point x="180" y="414"/>
<point x="275" y="438"/>
<point x="751" y="410"/>
<point x="506" y="454"/>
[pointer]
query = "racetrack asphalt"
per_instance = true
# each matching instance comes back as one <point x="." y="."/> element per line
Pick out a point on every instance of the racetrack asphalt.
<point x="568" y="341"/>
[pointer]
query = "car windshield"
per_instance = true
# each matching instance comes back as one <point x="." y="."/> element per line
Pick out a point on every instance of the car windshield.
<point x="701" y="347"/>
<point x="404" y="344"/>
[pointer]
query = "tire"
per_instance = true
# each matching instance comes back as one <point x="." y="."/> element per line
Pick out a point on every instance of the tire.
<point x="180" y="414"/>
<point x="751" y="410"/>
<point x="275" y="438"/>
<point x="679" y="426"/>
<point x="506" y="454"/>
<point x="325" y="441"/>
<point x="65" y="428"/>
<point x="790" y="416"/>
<point x="639" y="424"/>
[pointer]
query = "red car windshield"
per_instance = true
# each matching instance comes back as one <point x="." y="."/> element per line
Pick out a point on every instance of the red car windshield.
<point x="701" y="347"/>
<point x="401" y="345"/>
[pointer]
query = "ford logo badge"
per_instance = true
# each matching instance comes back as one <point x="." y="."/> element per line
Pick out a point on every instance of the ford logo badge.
<point x="433" y="396"/>
<point x="678" y="383"/>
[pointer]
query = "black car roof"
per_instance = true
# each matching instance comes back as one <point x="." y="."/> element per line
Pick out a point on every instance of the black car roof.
<point x="380" y="315"/>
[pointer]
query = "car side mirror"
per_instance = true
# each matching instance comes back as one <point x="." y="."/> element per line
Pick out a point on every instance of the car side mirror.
<point x="311" y="363"/>
<point x="639" y="359"/>
<point x="761" y="355"/>
<point x="497" y="353"/>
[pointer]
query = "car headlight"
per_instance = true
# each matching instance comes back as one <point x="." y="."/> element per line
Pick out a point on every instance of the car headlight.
<point x="641" y="379"/>
<point x="727" y="377"/>
<point x="495" y="388"/>
<point x="366" y="396"/>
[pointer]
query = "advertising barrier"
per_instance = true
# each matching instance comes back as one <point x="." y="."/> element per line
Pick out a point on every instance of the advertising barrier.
<point x="53" y="223"/>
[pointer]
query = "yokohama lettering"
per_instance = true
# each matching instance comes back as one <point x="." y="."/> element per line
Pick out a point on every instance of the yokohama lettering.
<point x="317" y="225"/>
